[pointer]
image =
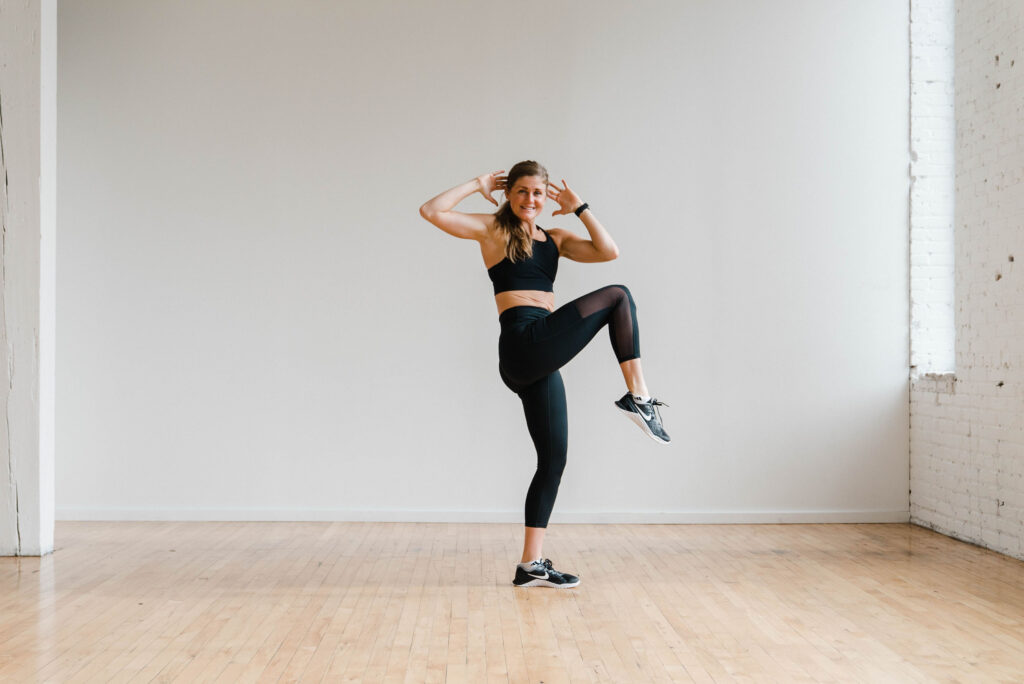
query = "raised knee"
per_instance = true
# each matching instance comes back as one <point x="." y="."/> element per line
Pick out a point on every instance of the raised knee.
<point x="623" y="292"/>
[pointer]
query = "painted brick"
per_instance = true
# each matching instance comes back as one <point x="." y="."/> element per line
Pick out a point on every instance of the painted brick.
<point x="932" y="137"/>
<point x="967" y="429"/>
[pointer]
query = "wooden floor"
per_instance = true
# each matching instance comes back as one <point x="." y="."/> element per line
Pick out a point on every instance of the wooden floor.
<point x="403" y="602"/>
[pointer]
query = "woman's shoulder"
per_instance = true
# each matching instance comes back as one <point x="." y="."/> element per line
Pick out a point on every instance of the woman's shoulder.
<point x="558" y="235"/>
<point x="489" y="223"/>
<point x="493" y="235"/>
<point x="493" y="241"/>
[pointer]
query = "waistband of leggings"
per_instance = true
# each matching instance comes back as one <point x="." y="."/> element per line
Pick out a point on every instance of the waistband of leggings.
<point x="522" y="313"/>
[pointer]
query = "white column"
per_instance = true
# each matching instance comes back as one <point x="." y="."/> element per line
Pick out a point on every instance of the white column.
<point x="28" y="106"/>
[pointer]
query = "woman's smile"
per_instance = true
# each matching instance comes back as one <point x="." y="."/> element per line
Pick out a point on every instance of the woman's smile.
<point x="527" y="196"/>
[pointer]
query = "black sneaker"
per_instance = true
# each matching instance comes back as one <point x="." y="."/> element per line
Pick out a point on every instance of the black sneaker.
<point x="541" y="574"/>
<point x="646" y="415"/>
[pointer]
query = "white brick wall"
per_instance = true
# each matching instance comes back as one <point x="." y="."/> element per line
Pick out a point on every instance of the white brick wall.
<point x="967" y="431"/>
<point x="932" y="139"/>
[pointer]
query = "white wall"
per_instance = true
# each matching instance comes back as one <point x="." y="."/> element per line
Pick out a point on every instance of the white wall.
<point x="967" y="456"/>
<point x="256" y="323"/>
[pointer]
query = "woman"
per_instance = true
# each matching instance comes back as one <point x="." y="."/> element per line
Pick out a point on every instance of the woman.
<point x="536" y="339"/>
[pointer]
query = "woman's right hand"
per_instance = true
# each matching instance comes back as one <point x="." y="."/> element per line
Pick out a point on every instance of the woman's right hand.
<point x="489" y="182"/>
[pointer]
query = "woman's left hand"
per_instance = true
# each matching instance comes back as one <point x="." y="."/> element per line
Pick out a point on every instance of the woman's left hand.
<point x="568" y="201"/>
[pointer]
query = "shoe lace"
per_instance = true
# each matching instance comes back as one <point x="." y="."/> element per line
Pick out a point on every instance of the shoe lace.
<point x="654" y="404"/>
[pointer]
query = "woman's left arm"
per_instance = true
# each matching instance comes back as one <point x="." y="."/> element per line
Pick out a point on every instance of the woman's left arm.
<point x="600" y="246"/>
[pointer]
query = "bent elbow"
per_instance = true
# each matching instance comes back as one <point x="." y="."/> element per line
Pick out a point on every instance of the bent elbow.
<point x="613" y="254"/>
<point x="426" y="213"/>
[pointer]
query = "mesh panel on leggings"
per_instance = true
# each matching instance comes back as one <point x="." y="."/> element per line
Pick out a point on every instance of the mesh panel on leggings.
<point x="622" y="327"/>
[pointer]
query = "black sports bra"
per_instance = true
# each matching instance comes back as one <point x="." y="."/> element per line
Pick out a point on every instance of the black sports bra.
<point x="534" y="273"/>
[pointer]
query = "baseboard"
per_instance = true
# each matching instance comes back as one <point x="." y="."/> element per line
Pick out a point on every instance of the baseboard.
<point x="612" y="517"/>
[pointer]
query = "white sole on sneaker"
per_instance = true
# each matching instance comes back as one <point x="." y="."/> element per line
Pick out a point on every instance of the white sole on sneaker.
<point x="635" y="417"/>
<point x="545" y="583"/>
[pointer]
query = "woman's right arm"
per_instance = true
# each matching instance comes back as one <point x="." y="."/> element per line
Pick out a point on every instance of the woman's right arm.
<point x="439" y="210"/>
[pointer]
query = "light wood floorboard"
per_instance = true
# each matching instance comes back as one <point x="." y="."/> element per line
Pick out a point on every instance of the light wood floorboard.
<point x="404" y="603"/>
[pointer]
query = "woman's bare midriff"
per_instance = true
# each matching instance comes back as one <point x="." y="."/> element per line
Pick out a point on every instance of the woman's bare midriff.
<point x="539" y="298"/>
<point x="493" y="251"/>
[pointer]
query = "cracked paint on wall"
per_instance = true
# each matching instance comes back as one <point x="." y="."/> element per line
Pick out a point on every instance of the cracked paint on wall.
<point x="23" y="139"/>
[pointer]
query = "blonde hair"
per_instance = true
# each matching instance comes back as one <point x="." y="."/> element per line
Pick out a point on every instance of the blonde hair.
<point x="519" y="242"/>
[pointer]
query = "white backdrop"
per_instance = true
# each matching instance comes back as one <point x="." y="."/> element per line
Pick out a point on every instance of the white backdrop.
<point x="255" y="323"/>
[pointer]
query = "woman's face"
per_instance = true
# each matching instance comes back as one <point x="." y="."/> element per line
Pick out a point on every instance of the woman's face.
<point x="526" y="197"/>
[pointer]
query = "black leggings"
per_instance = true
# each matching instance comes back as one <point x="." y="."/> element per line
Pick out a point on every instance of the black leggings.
<point x="533" y="345"/>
